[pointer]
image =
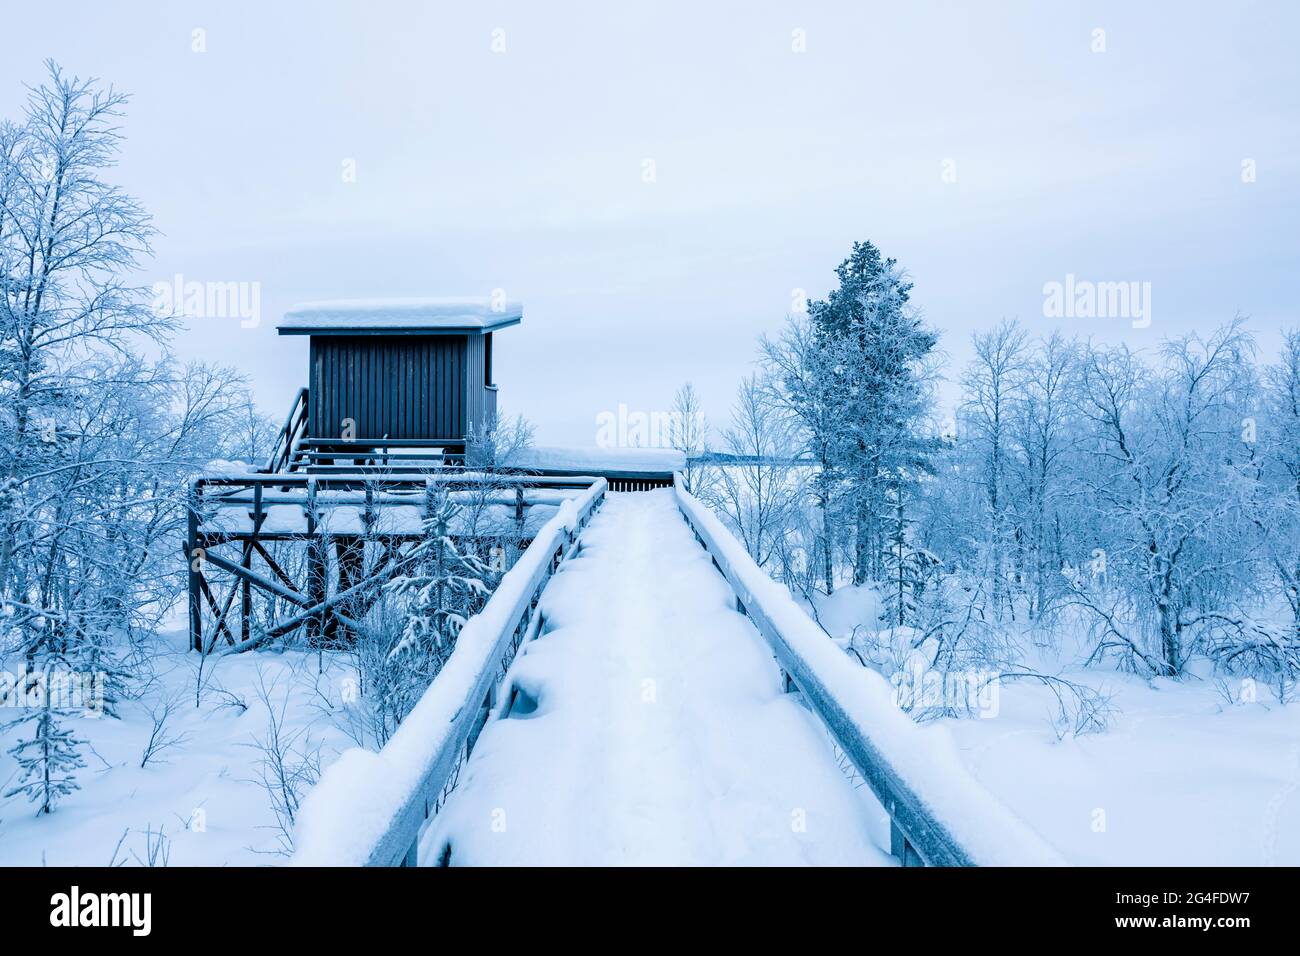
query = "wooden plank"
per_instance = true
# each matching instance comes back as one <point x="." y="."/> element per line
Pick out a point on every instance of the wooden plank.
<point x="335" y="443"/>
<point x="240" y="488"/>
<point x="252" y="577"/>
<point x="378" y="454"/>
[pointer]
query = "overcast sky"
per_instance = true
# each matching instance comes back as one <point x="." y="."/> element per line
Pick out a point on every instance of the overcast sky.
<point x="524" y="170"/>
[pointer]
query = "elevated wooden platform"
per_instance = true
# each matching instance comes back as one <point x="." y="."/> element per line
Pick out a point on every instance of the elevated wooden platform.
<point x="309" y="541"/>
<point x="270" y="553"/>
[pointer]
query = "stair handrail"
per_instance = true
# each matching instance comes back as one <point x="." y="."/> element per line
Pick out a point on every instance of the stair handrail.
<point x="294" y="423"/>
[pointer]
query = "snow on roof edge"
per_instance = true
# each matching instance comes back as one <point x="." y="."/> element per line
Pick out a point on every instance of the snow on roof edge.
<point x="433" y="314"/>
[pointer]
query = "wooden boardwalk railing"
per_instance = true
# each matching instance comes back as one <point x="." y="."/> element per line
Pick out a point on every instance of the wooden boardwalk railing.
<point x="939" y="815"/>
<point x="371" y="808"/>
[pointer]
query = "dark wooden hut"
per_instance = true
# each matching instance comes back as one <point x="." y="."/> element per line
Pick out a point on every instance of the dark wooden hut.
<point x="408" y="373"/>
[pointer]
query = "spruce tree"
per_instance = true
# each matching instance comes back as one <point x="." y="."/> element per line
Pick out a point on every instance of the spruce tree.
<point x="881" y="378"/>
<point x="48" y="761"/>
<point x="907" y="571"/>
<point x="446" y="587"/>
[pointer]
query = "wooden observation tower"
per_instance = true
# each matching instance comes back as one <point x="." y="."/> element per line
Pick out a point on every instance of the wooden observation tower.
<point x="398" y="412"/>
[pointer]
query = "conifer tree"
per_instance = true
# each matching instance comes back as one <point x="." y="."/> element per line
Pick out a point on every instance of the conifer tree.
<point x="881" y="378"/>
<point x="48" y="760"/>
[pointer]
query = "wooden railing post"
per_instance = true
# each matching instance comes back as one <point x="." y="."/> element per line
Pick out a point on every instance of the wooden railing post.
<point x="245" y="585"/>
<point x="368" y="516"/>
<point x="317" y="567"/>
<point x="899" y="845"/>
<point x="194" y="564"/>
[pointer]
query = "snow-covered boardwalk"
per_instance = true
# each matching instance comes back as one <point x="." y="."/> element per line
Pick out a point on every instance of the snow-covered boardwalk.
<point x="649" y="727"/>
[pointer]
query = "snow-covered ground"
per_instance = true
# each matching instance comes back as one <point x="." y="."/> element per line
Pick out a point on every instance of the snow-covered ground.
<point x="204" y="794"/>
<point x="1180" y="778"/>
<point x="650" y="727"/>
<point x="1186" y="773"/>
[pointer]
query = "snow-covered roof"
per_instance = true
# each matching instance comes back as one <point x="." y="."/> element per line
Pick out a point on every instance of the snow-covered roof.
<point x="428" y="316"/>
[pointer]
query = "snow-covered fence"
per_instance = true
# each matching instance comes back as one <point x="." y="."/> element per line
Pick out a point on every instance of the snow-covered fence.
<point x="939" y="814"/>
<point x="371" y="808"/>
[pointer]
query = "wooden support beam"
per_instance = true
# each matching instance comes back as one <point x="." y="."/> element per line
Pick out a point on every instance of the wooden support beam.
<point x="245" y="598"/>
<point x="318" y="611"/>
<point x="252" y="577"/>
<point x="193" y="562"/>
<point x="317" y="562"/>
<point x="212" y="603"/>
<point x="275" y="568"/>
<point x="230" y="600"/>
<point x="246" y="588"/>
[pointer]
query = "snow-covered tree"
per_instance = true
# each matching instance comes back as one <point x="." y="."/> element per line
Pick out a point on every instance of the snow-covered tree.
<point x="756" y="486"/>
<point x="47" y="760"/>
<point x="1275" y="505"/>
<point x="908" y="571"/>
<point x="993" y="386"/>
<point x="1166" y="456"/>
<point x="99" y="429"/>
<point x="802" y="366"/>
<point x="882" y="383"/>
<point x="498" y="447"/>
<point x="690" y="435"/>
<point x="445" y="590"/>
<point x="414" y="631"/>
<point x="1044" y="433"/>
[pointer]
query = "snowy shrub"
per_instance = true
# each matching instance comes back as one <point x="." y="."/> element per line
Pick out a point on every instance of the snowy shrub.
<point x="288" y="764"/>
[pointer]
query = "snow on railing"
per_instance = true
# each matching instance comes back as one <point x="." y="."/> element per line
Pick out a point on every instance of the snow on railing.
<point x="939" y="814"/>
<point x="370" y="808"/>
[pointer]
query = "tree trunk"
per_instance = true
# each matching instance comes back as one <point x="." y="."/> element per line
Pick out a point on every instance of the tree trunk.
<point x="862" y="539"/>
<point x="828" y="563"/>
